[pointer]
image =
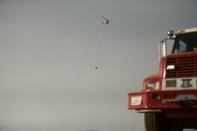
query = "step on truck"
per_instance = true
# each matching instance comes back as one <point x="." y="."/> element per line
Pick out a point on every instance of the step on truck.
<point x="169" y="98"/>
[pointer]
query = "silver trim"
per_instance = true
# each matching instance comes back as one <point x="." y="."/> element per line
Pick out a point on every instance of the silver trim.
<point x="182" y="98"/>
<point x="179" y="83"/>
<point x="147" y="110"/>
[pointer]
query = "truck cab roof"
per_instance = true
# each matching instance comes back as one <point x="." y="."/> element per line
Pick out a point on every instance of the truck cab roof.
<point x="189" y="30"/>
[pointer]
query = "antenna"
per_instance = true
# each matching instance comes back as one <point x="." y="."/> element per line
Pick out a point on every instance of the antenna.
<point x="105" y="21"/>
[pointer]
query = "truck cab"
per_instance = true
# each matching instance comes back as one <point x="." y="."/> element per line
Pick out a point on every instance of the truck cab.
<point x="169" y="98"/>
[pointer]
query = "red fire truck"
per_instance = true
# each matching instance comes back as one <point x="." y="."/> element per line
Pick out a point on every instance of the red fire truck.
<point x="169" y="98"/>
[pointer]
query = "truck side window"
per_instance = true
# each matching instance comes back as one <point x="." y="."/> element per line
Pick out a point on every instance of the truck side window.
<point x="185" y="43"/>
<point x="182" y="46"/>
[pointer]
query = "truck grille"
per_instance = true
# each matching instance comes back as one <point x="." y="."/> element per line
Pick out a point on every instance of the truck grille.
<point x="184" y="67"/>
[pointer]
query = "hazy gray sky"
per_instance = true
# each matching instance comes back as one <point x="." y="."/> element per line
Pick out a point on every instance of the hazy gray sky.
<point x="49" y="50"/>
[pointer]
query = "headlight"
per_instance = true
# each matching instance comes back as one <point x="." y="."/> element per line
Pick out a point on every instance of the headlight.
<point x="171" y="83"/>
<point x="152" y="85"/>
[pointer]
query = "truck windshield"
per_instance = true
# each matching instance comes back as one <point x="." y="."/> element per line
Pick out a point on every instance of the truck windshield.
<point x="185" y="43"/>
